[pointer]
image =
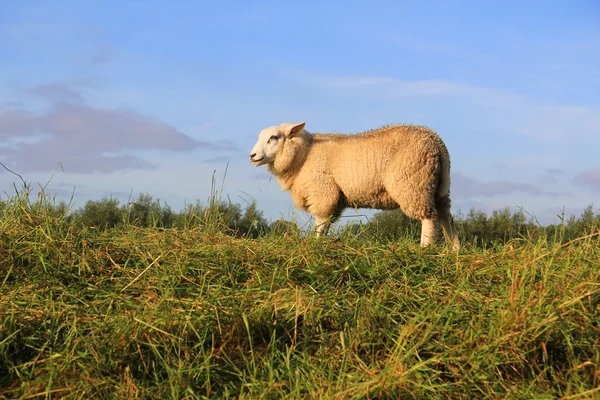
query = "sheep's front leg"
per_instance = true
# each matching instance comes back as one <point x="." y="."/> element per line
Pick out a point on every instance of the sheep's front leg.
<point x="427" y="231"/>
<point x="322" y="226"/>
<point x="325" y="205"/>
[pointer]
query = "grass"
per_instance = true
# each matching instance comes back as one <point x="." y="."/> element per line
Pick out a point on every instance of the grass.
<point x="194" y="313"/>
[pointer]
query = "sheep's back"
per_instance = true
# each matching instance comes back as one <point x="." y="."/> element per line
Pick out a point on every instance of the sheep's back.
<point x="360" y="163"/>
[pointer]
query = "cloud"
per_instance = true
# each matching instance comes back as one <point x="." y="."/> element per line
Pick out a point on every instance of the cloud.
<point x="85" y="138"/>
<point x="58" y="93"/>
<point x="552" y="175"/>
<point x="465" y="186"/>
<point x="225" y="144"/>
<point x="554" y="171"/>
<point x="384" y="85"/>
<point x="589" y="178"/>
<point x="511" y="113"/>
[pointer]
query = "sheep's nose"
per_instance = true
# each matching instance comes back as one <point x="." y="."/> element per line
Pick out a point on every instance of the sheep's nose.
<point x="252" y="155"/>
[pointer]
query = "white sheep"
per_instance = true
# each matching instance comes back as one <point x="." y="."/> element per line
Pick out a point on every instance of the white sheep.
<point x="396" y="166"/>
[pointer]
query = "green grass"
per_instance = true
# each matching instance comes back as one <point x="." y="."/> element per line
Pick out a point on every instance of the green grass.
<point x="194" y="313"/>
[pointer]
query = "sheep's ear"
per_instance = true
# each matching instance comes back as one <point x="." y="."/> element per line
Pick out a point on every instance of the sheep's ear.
<point x="294" y="129"/>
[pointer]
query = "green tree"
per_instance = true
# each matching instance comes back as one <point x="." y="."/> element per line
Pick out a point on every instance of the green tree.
<point x="504" y="225"/>
<point x="102" y="214"/>
<point x="473" y="228"/>
<point x="252" y="223"/>
<point x="391" y="225"/>
<point x="229" y="214"/>
<point x="578" y="226"/>
<point x="147" y="212"/>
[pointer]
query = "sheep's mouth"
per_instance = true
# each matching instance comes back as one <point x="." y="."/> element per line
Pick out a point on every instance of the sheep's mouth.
<point x="257" y="161"/>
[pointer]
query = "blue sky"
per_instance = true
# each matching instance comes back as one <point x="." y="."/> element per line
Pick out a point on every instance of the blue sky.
<point x="155" y="96"/>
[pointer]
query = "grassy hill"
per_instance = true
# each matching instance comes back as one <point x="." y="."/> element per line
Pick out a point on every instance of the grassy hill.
<point x="132" y="312"/>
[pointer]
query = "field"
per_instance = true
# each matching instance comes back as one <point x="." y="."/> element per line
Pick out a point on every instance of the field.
<point x="131" y="312"/>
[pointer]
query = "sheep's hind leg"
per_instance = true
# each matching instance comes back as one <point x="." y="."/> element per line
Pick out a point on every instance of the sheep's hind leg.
<point x="427" y="231"/>
<point x="322" y="226"/>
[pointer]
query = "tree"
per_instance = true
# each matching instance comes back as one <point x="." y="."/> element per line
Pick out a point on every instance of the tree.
<point x="102" y="214"/>
<point x="391" y="225"/>
<point x="147" y="212"/>
<point x="473" y="228"/>
<point x="580" y="226"/>
<point x="252" y="223"/>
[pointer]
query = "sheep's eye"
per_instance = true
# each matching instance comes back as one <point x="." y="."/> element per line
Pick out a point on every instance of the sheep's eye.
<point x="272" y="138"/>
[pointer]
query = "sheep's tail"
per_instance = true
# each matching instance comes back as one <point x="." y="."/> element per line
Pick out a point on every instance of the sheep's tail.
<point x="442" y="202"/>
<point x="442" y="197"/>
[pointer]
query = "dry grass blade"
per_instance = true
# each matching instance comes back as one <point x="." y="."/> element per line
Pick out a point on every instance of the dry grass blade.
<point x="155" y="261"/>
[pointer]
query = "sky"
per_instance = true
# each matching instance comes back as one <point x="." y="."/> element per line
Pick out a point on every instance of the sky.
<point x="117" y="98"/>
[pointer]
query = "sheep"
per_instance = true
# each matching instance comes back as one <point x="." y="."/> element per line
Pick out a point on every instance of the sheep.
<point x="395" y="166"/>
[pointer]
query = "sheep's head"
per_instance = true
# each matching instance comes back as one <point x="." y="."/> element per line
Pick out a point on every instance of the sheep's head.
<point x="271" y="141"/>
